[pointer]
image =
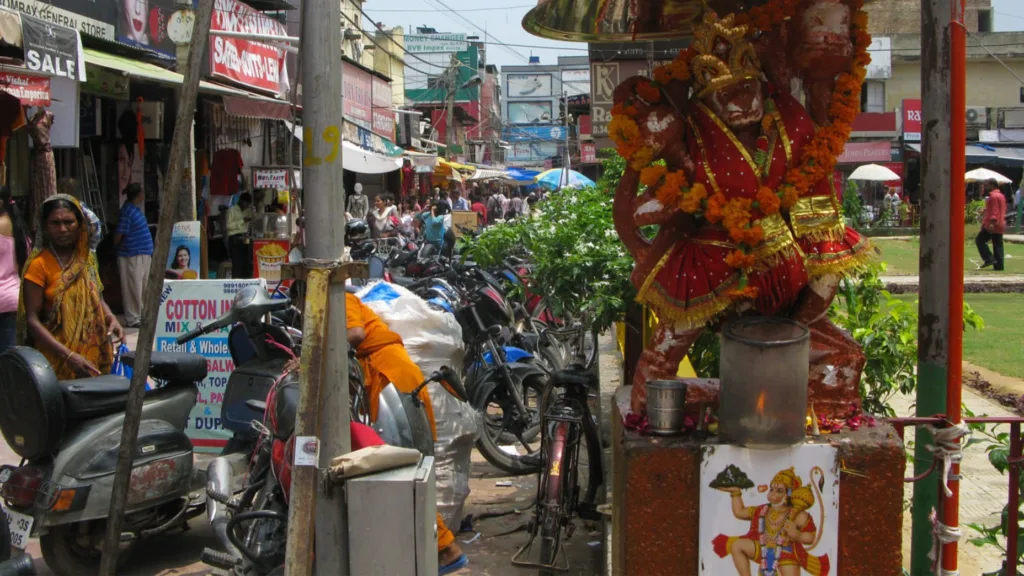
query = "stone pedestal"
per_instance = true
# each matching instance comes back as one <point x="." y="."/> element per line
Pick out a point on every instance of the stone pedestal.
<point x="656" y="501"/>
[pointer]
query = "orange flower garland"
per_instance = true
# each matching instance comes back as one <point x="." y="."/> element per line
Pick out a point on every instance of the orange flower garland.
<point x="817" y="160"/>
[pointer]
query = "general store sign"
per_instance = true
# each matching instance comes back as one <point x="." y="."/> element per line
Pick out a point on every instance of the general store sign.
<point x="259" y="66"/>
<point x="425" y="43"/>
<point x="383" y="117"/>
<point x="92" y="17"/>
<point x="31" y="90"/>
<point x="912" y="120"/>
<point x="356" y="95"/>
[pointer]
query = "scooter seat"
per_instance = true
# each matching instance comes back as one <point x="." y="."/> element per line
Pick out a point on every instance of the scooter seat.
<point x="88" y="398"/>
<point x="173" y="367"/>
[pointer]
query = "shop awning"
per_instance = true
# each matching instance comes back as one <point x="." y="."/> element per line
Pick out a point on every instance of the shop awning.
<point x="253" y="103"/>
<point x="360" y="161"/>
<point x="984" y="154"/>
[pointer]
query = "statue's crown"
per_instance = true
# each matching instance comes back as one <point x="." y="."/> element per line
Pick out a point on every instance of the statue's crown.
<point x="724" y="55"/>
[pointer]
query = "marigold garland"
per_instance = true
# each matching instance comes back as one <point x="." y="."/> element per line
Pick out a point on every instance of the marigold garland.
<point x="817" y="159"/>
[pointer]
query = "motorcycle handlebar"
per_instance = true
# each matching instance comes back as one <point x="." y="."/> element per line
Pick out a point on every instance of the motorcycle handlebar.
<point x="215" y="325"/>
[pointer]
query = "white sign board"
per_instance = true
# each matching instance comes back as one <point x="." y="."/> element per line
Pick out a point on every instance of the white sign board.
<point x="528" y="85"/>
<point x="426" y="43"/>
<point x="769" y="508"/>
<point x="184" y="305"/>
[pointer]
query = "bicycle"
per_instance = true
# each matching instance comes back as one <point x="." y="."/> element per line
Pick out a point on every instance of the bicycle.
<point x="566" y="421"/>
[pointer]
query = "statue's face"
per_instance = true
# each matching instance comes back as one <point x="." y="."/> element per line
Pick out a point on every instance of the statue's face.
<point x="738" y="105"/>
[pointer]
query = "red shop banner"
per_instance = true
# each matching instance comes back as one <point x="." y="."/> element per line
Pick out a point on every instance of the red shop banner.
<point x="588" y="153"/>
<point x="383" y="117"/>
<point x="31" y="90"/>
<point x="912" y="120"/>
<point x="259" y="66"/>
<point x="356" y="94"/>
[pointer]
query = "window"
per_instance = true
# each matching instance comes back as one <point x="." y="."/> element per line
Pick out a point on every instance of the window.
<point x="872" y="96"/>
<point x="984" y="20"/>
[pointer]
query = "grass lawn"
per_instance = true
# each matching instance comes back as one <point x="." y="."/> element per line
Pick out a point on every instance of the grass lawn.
<point x="1000" y="346"/>
<point x="902" y="255"/>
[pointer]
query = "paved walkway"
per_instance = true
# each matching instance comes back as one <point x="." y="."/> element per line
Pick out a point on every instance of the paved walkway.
<point x="983" y="491"/>
<point x="987" y="283"/>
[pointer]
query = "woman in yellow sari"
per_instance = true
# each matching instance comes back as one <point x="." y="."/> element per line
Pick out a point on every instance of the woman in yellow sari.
<point x="62" y="313"/>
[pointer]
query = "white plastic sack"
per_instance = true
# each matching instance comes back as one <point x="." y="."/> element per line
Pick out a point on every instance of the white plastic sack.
<point x="431" y="337"/>
<point x="457" y="427"/>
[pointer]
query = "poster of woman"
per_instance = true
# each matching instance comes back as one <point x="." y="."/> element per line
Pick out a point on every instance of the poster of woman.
<point x="769" y="512"/>
<point x="184" y="259"/>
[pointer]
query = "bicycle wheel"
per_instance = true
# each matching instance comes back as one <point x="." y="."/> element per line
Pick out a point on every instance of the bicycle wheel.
<point x="557" y="491"/>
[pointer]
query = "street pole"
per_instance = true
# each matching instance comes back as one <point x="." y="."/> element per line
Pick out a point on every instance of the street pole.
<point x="323" y="394"/>
<point x="565" y="164"/>
<point x="950" y="515"/>
<point x="151" y="292"/>
<point x="934" y="298"/>
<point x="452" y="74"/>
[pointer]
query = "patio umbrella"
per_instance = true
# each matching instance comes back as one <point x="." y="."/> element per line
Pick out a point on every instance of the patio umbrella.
<point x="986" y="175"/>
<point x="553" y="179"/>
<point x="874" y="173"/>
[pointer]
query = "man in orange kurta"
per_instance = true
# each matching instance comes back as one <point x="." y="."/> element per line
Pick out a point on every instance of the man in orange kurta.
<point x="385" y="361"/>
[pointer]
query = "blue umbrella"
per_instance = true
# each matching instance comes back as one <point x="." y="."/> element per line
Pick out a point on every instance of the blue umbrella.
<point x="554" y="179"/>
<point x="521" y="175"/>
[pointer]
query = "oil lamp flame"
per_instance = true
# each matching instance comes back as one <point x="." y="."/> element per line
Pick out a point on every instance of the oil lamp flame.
<point x="760" y="403"/>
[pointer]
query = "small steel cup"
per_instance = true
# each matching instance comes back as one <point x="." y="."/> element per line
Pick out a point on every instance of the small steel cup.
<point x="665" y="401"/>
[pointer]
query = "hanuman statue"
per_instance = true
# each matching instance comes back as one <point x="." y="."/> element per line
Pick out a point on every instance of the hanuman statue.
<point x="736" y="175"/>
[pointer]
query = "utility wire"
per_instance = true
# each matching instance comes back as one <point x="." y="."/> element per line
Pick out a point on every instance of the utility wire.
<point x="460" y="9"/>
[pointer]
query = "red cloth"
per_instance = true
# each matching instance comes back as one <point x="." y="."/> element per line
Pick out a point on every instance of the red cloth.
<point x="227" y="165"/>
<point x="408" y="179"/>
<point x="480" y="209"/>
<point x="363" y="436"/>
<point x="994" y="218"/>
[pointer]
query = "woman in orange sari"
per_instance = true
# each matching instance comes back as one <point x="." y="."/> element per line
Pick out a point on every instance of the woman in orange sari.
<point x="62" y="312"/>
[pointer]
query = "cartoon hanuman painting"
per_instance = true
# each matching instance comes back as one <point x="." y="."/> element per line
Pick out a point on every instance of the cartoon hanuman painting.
<point x="781" y="531"/>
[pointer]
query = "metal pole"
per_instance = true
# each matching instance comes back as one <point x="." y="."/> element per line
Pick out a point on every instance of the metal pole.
<point x="449" y="123"/>
<point x="957" y="168"/>
<point x="565" y="165"/>
<point x="933" y="314"/>
<point x="323" y="395"/>
<point x="1012" y="521"/>
<point x="151" y="292"/>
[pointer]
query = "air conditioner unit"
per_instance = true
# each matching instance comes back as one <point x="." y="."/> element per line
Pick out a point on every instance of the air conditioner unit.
<point x="977" y="116"/>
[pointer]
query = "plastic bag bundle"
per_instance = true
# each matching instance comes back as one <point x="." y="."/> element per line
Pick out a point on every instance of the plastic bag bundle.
<point x="457" y="427"/>
<point x="432" y="338"/>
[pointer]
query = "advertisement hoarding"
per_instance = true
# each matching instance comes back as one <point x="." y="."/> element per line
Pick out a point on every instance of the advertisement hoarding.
<point x="383" y="117"/>
<point x="528" y="85"/>
<point x="553" y="132"/>
<point x="185" y="304"/>
<point x="531" y="151"/>
<point x="255" y="65"/>
<point x="529" y="112"/>
<point x="604" y="77"/>
<point x="357" y="96"/>
<point x="427" y="43"/>
<point x="576" y="82"/>
<point x="31" y="90"/>
<point x="912" y="120"/>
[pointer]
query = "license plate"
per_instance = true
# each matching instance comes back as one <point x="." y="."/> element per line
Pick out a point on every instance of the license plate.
<point x="20" y="526"/>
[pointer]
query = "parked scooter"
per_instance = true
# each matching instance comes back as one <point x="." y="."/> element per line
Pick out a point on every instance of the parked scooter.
<point x="69" y="434"/>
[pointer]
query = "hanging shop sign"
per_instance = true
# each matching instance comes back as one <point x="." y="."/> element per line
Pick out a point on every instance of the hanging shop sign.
<point x="52" y="50"/>
<point x="31" y="90"/>
<point x="383" y="117"/>
<point x="911" y="120"/>
<point x="429" y="43"/>
<point x="253" y="64"/>
<point x="88" y="17"/>
<point x="588" y="153"/>
<point x="274" y="178"/>
<point x="184" y="304"/>
<point x="105" y="82"/>
<point x="357" y="95"/>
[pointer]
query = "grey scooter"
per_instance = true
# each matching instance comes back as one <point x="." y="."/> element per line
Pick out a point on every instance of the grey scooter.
<point x="69" y="433"/>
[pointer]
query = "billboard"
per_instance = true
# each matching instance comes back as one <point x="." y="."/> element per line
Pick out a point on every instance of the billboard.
<point x="528" y="85"/>
<point x="576" y="82"/>
<point x="255" y="65"/>
<point x="534" y="133"/>
<point x="356" y="94"/>
<point x="529" y="112"/>
<point x="531" y="151"/>
<point x="604" y="77"/>
<point x="427" y="43"/>
<point x="880" y="67"/>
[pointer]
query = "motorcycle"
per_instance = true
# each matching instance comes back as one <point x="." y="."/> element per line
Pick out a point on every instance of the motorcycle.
<point x="69" y="433"/>
<point x="251" y="525"/>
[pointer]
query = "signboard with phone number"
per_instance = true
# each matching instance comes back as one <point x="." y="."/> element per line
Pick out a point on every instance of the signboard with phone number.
<point x="184" y="305"/>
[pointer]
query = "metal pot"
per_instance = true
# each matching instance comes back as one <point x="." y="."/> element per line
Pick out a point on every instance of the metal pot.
<point x="665" y="401"/>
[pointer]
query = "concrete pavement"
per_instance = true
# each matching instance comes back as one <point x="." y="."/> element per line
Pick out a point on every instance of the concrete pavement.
<point x="987" y="283"/>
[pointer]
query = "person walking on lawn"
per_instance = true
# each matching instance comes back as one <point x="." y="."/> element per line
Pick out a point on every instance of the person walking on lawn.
<point x="993" y="224"/>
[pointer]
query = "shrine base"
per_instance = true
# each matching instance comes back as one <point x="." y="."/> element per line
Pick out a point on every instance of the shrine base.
<point x="656" y="501"/>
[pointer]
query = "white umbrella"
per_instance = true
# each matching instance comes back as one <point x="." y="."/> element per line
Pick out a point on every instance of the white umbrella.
<point x="874" y="172"/>
<point x="986" y="175"/>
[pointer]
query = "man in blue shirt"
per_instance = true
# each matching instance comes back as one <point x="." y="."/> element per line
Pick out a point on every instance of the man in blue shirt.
<point x="134" y="253"/>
